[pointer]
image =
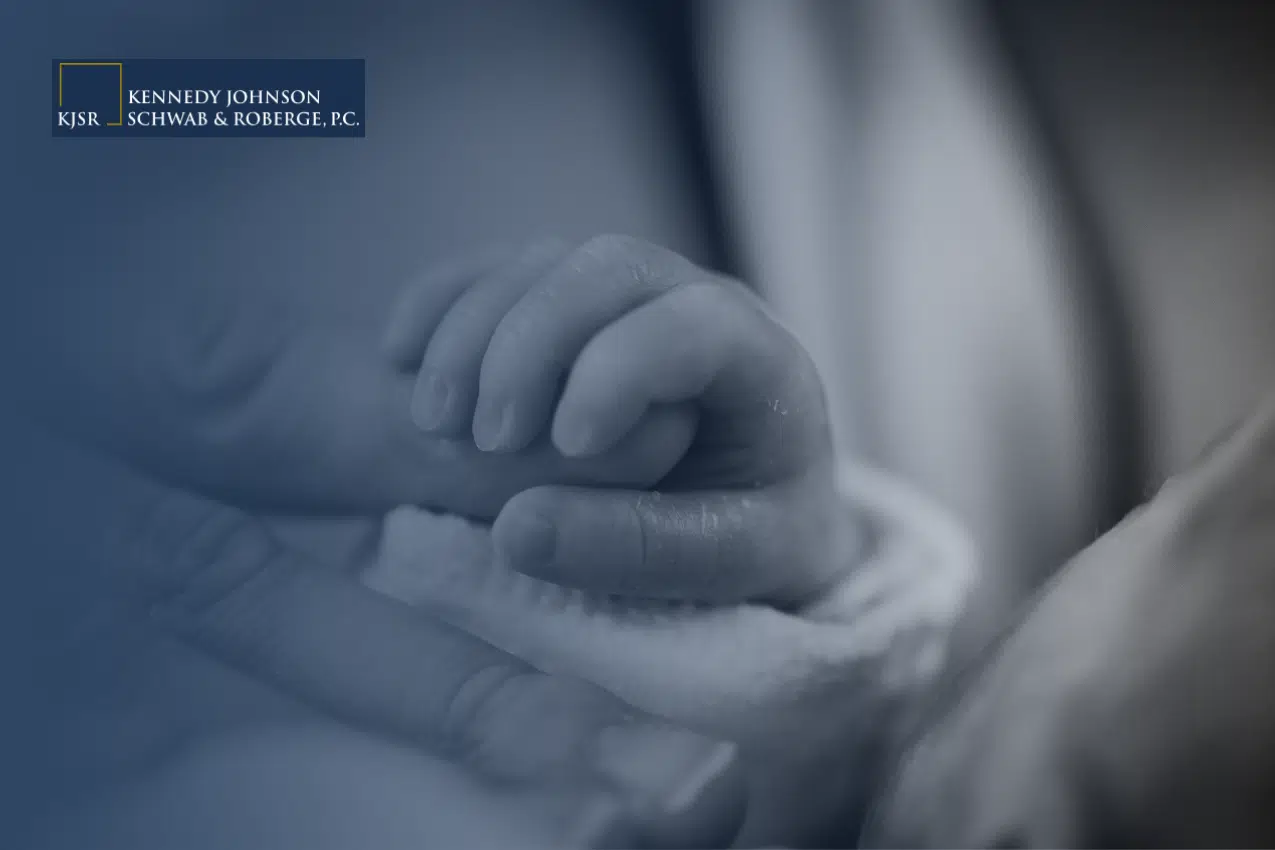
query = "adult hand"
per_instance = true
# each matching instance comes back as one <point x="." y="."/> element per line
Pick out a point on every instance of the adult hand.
<point x="248" y="397"/>
<point x="1133" y="705"/>
<point x="806" y="649"/>
<point x="127" y="575"/>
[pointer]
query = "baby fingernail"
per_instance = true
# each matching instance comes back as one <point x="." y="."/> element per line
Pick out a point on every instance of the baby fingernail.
<point x="431" y="402"/>
<point x="494" y="429"/>
<point x="573" y="438"/>
<point x="663" y="766"/>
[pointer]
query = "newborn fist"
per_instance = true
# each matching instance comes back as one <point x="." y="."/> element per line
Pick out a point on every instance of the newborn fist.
<point x="583" y="349"/>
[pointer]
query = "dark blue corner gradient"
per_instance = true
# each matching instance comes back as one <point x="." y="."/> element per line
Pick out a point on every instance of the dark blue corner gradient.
<point x="103" y="97"/>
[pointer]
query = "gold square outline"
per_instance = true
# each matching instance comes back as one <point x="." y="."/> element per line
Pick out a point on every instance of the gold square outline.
<point x="119" y="65"/>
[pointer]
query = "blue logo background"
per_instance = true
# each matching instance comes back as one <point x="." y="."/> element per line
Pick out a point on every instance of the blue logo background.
<point x="91" y="96"/>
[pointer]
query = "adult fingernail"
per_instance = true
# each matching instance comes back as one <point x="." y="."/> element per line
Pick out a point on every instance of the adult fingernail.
<point x="431" y="402"/>
<point x="524" y="539"/>
<point x="494" y="428"/>
<point x="663" y="766"/>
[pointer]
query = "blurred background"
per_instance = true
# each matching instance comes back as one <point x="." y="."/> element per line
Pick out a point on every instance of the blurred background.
<point x="1027" y="242"/>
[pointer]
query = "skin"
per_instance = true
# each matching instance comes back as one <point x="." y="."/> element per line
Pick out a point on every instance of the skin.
<point x="578" y="346"/>
<point x="808" y="695"/>
<point x="186" y="416"/>
<point x="584" y="348"/>
<point x="1131" y="706"/>
<point x="165" y="623"/>
<point x="177" y="344"/>
<point x="223" y="424"/>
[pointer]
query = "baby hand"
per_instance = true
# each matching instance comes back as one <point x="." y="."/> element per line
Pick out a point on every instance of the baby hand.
<point x="581" y="346"/>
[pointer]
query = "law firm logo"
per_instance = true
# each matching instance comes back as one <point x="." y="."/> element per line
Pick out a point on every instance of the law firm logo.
<point x="89" y="95"/>
<point x="187" y="98"/>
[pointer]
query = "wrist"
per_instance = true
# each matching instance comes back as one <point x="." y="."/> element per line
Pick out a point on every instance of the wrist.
<point x="887" y="534"/>
<point x="904" y="578"/>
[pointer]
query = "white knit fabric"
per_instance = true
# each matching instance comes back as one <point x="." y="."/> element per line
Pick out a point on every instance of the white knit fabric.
<point x="806" y="690"/>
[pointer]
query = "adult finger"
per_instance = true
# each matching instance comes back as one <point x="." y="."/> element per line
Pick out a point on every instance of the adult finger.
<point x="312" y="786"/>
<point x="215" y="578"/>
<point x="708" y="546"/>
